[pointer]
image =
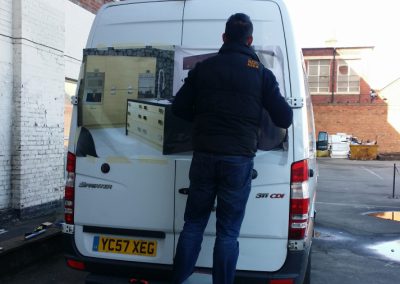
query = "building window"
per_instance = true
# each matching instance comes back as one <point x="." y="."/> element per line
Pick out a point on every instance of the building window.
<point x="348" y="81"/>
<point x="318" y="75"/>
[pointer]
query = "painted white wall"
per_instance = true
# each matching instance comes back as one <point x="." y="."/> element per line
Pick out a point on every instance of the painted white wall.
<point x="6" y="87"/>
<point x="38" y="100"/>
<point x="41" y="44"/>
<point x="78" y="22"/>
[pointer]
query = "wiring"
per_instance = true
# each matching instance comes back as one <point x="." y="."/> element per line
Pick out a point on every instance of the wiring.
<point x="40" y="44"/>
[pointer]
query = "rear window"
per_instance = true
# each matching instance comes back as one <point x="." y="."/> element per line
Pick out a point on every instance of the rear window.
<point x="113" y="76"/>
<point x="124" y="100"/>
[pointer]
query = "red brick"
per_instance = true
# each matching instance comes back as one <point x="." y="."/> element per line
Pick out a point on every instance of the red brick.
<point x="365" y="121"/>
<point x="91" y="5"/>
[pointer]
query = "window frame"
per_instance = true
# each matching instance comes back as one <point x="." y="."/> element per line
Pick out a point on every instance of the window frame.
<point x="350" y="73"/>
<point x="318" y="76"/>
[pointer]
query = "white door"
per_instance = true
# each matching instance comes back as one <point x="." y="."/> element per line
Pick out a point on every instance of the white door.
<point x="134" y="202"/>
<point x="263" y="238"/>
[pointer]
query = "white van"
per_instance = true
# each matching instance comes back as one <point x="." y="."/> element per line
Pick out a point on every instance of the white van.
<point x="129" y="157"/>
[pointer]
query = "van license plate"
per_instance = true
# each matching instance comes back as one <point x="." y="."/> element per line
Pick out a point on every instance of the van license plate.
<point x="125" y="246"/>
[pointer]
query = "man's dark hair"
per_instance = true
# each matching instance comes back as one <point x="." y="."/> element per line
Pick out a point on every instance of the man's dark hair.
<point x="238" y="28"/>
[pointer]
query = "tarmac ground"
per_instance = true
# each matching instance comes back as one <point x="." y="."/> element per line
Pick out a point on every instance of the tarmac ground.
<point x="23" y="242"/>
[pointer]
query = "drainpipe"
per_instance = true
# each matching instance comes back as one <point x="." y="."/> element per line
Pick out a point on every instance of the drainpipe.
<point x="333" y="75"/>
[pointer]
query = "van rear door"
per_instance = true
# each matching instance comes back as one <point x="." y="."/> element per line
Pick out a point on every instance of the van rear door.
<point x="138" y="22"/>
<point x="124" y="190"/>
<point x="264" y="234"/>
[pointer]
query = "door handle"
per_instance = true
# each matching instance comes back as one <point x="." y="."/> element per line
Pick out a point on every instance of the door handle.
<point x="184" y="191"/>
<point x="310" y="172"/>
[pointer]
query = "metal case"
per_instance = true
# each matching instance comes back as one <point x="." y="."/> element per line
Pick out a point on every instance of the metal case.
<point x="154" y="123"/>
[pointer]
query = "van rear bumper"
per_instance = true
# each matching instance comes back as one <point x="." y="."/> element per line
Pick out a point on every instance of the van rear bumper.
<point x="294" y="267"/>
<point x="115" y="267"/>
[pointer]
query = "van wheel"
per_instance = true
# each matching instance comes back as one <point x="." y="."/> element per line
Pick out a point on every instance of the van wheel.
<point x="307" y="277"/>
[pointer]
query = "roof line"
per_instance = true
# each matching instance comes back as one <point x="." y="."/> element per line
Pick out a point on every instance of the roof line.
<point x="348" y="47"/>
<point x="394" y="81"/>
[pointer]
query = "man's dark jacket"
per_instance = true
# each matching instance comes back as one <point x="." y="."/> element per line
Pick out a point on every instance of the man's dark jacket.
<point x="224" y="96"/>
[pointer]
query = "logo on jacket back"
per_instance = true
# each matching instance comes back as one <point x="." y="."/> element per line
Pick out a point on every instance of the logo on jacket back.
<point x="253" y="63"/>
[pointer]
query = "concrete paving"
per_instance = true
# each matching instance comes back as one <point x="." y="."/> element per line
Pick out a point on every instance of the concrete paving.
<point x="349" y="190"/>
<point x="351" y="246"/>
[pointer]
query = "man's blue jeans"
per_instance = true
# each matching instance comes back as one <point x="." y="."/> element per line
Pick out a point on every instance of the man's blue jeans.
<point x="227" y="178"/>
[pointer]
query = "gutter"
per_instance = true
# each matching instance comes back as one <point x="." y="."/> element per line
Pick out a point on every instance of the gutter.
<point x="333" y="75"/>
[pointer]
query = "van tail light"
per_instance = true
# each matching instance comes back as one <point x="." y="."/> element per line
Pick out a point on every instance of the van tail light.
<point x="69" y="197"/>
<point x="76" y="264"/>
<point x="281" y="281"/>
<point x="299" y="200"/>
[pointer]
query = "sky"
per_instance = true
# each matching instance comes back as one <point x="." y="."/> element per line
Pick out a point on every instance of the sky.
<point x="352" y="23"/>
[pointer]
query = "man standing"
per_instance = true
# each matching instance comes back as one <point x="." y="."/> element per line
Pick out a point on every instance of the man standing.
<point x="224" y="96"/>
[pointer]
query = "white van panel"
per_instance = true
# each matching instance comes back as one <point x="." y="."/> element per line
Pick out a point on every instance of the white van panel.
<point x="255" y="254"/>
<point x="129" y="204"/>
<point x="205" y="28"/>
<point x="132" y="24"/>
<point x="264" y="230"/>
<point x="132" y="189"/>
<point x="261" y="217"/>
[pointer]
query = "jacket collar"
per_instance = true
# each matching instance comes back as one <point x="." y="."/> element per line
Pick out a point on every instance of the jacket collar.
<point x="240" y="48"/>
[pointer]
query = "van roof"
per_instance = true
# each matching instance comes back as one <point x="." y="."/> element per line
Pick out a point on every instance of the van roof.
<point x="126" y="2"/>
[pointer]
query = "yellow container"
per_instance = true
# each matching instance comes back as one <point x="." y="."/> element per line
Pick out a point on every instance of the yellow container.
<point x="363" y="152"/>
<point x="322" y="153"/>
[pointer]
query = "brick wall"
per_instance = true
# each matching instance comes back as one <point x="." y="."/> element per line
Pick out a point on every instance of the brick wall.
<point x="340" y="98"/>
<point x="6" y="85"/>
<point x="91" y="5"/>
<point x="32" y="74"/>
<point x="34" y="175"/>
<point x="363" y="98"/>
<point x="357" y="114"/>
<point x="365" y="121"/>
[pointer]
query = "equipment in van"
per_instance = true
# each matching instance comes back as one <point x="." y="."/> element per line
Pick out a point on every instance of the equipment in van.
<point x="120" y="88"/>
<point x="153" y="121"/>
